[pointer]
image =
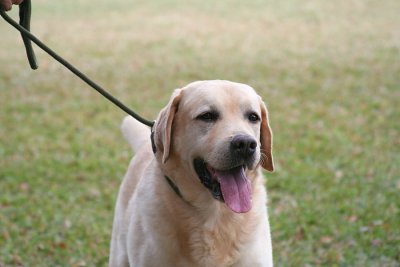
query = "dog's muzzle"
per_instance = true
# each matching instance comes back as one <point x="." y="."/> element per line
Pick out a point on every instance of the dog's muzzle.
<point x="230" y="185"/>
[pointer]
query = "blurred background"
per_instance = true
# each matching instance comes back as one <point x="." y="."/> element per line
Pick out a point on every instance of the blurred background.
<point x="329" y="72"/>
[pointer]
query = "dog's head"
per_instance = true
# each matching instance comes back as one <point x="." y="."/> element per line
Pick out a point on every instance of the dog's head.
<point x="216" y="132"/>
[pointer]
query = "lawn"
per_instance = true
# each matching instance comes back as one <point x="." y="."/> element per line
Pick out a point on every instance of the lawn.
<point x="328" y="70"/>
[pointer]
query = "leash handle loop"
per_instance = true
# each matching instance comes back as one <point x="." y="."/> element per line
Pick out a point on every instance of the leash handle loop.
<point x="25" y="10"/>
<point x="28" y="36"/>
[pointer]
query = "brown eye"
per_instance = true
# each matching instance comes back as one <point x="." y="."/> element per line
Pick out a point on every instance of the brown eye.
<point x="209" y="116"/>
<point x="253" y="117"/>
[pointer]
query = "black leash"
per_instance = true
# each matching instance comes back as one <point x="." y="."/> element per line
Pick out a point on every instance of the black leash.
<point x="25" y="9"/>
<point x="24" y="27"/>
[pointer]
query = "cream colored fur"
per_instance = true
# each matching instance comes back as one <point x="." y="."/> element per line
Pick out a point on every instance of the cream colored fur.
<point x="153" y="226"/>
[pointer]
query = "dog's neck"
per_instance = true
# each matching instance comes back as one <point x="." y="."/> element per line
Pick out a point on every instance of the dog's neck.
<point x="195" y="224"/>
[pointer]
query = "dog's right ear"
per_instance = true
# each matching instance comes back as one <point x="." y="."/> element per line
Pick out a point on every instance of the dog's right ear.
<point x="164" y="124"/>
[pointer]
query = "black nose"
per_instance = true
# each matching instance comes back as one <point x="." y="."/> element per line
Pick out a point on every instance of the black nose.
<point x="243" y="146"/>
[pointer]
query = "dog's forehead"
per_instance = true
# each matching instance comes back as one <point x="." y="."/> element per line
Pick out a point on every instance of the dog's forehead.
<point x="219" y="94"/>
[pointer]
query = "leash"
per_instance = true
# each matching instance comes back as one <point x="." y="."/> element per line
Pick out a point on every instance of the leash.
<point x="23" y="27"/>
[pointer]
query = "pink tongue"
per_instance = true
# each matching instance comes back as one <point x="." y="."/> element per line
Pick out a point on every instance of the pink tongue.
<point x="235" y="188"/>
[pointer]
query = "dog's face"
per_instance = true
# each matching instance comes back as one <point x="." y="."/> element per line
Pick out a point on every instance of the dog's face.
<point x="217" y="131"/>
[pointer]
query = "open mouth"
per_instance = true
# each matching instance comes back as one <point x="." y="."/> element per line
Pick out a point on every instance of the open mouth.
<point x="229" y="186"/>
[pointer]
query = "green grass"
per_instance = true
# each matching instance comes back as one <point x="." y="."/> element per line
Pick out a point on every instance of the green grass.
<point x="329" y="72"/>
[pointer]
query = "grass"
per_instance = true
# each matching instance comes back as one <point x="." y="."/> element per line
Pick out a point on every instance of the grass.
<point x="329" y="72"/>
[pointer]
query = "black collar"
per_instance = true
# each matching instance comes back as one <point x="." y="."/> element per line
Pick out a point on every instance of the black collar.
<point x="173" y="186"/>
<point x="153" y="144"/>
<point x="176" y="190"/>
<point x="169" y="181"/>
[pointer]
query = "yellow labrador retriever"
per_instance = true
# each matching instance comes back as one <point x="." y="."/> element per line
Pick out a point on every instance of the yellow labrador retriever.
<point x="199" y="200"/>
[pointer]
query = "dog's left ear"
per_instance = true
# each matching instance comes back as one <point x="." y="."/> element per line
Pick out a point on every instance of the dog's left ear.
<point x="267" y="161"/>
<point x="163" y="126"/>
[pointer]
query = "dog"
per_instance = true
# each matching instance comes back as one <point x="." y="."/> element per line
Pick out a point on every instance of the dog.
<point x="195" y="195"/>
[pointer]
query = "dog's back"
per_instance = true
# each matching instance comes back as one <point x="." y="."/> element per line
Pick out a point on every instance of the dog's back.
<point x="135" y="132"/>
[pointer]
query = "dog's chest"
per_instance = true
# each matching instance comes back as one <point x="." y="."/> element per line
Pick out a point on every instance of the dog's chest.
<point x="218" y="244"/>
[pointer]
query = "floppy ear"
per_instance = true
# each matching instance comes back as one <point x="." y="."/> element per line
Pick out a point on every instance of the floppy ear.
<point x="267" y="161"/>
<point x="163" y="127"/>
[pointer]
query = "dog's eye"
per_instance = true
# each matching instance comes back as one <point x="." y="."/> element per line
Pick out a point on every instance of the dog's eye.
<point x="208" y="116"/>
<point x="253" y="117"/>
